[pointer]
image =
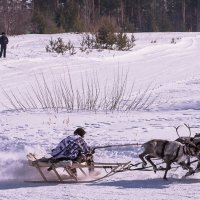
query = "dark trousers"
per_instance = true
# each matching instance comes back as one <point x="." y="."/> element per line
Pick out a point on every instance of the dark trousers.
<point x="3" y="51"/>
<point x="88" y="159"/>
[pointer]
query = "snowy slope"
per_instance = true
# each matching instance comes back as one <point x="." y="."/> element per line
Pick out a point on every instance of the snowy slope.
<point x="174" y="70"/>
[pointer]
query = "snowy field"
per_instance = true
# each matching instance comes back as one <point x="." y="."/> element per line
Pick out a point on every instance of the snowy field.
<point x="173" y="70"/>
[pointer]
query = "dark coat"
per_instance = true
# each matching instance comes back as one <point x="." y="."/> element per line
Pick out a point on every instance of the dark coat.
<point x="3" y="40"/>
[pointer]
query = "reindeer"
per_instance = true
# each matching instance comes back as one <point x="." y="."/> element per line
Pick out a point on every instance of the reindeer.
<point x="169" y="151"/>
<point x="186" y="140"/>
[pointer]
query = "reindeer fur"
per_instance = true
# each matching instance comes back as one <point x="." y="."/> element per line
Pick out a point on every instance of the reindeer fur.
<point x="169" y="151"/>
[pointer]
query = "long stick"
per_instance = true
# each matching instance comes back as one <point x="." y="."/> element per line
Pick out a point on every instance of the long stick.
<point x="117" y="145"/>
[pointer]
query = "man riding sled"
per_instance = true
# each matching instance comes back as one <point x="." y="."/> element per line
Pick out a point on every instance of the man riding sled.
<point x="73" y="148"/>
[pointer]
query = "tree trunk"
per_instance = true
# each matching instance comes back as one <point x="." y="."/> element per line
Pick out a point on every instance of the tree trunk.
<point x="183" y="15"/>
<point x="122" y="13"/>
<point x="198" y="16"/>
<point x="99" y="7"/>
<point x="139" y="16"/>
<point x="5" y="15"/>
<point x="93" y="12"/>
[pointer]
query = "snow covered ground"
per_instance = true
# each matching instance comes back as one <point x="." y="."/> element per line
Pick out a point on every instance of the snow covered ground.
<point x="174" y="70"/>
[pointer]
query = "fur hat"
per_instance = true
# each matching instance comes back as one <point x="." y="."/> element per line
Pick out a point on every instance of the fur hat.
<point x="80" y="131"/>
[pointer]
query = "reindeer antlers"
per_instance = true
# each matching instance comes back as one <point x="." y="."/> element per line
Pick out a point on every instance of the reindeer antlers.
<point x="177" y="130"/>
<point x="187" y="125"/>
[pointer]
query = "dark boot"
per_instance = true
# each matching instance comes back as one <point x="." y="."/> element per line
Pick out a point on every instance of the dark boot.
<point x="1" y="52"/>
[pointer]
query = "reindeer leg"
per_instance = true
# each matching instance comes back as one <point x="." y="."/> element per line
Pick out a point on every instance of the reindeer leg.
<point x="188" y="162"/>
<point x="198" y="164"/>
<point x="184" y="165"/>
<point x="168" y="167"/>
<point x="141" y="156"/>
<point x="198" y="167"/>
<point x="149" y="159"/>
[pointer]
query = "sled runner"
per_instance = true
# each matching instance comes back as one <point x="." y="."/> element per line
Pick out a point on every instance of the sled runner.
<point x="72" y="172"/>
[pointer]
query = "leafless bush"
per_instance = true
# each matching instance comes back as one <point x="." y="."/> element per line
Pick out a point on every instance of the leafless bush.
<point x="61" y="94"/>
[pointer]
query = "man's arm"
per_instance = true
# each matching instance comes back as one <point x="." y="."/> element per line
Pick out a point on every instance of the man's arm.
<point x="83" y="146"/>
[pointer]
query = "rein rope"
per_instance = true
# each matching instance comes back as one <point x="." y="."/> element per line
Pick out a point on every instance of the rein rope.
<point x="117" y="145"/>
<point x="131" y="166"/>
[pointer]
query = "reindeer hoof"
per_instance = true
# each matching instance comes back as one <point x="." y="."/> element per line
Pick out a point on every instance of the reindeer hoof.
<point x="184" y="168"/>
<point x="187" y="174"/>
<point x="155" y="169"/>
<point x="190" y="173"/>
<point x="197" y="170"/>
<point x="161" y="168"/>
<point x="144" y="165"/>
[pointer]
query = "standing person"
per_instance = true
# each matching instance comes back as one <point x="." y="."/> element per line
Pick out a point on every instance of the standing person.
<point x="3" y="42"/>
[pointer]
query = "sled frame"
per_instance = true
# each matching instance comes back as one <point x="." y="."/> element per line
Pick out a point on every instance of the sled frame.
<point x="68" y="166"/>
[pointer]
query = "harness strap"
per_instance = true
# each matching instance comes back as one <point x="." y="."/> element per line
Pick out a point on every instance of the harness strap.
<point x="184" y="150"/>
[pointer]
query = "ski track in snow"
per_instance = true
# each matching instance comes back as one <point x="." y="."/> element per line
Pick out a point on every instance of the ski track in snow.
<point x="174" y="70"/>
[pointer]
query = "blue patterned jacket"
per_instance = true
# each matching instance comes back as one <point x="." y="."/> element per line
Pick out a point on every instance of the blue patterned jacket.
<point x="70" y="148"/>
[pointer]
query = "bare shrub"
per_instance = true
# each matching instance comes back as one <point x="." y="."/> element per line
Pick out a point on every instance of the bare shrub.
<point x="60" y="94"/>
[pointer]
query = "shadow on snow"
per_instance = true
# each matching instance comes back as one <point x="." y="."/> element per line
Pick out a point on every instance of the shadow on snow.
<point x="5" y="185"/>
<point x="147" y="183"/>
<point x="120" y="184"/>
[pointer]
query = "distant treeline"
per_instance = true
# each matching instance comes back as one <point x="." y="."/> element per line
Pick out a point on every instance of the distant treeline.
<point x="52" y="16"/>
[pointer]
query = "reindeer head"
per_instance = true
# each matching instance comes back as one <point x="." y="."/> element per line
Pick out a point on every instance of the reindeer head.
<point x="193" y="150"/>
<point x="189" y="142"/>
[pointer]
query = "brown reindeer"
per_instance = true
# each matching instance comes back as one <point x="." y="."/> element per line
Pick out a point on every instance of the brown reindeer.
<point x="169" y="151"/>
<point x="195" y="140"/>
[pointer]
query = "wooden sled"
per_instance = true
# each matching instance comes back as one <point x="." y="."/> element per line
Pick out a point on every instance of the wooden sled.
<point x="82" y="175"/>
